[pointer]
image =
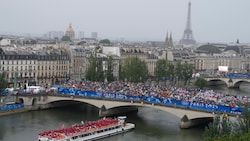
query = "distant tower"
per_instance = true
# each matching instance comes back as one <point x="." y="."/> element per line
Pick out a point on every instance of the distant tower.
<point x="169" y="41"/>
<point x="188" y="37"/>
<point x="166" y="40"/>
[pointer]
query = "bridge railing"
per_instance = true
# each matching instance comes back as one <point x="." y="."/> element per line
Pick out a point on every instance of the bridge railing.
<point x="163" y="101"/>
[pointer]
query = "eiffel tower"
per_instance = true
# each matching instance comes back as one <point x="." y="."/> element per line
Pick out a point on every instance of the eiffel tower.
<point x="188" y="38"/>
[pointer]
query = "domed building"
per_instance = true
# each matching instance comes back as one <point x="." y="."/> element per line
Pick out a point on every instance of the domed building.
<point x="211" y="49"/>
<point x="236" y="48"/>
<point x="70" y="32"/>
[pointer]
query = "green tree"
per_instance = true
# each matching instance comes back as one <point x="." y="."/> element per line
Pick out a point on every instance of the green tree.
<point x="105" y="41"/>
<point x="99" y="70"/>
<point x="200" y="82"/>
<point x="222" y="129"/>
<point x="91" y="72"/>
<point x="109" y="72"/>
<point x="212" y="130"/>
<point x="161" y="69"/>
<point x="66" y="38"/>
<point x="187" y="71"/>
<point x="170" y="72"/>
<point x="3" y="81"/>
<point x="243" y="125"/>
<point x="219" y="128"/>
<point x="178" y="71"/>
<point x="81" y="43"/>
<point x="134" y="70"/>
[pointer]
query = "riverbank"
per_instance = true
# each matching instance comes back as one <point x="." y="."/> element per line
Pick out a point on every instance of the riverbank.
<point x="13" y="111"/>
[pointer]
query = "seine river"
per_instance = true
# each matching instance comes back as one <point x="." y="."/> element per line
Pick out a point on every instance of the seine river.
<point x="151" y="124"/>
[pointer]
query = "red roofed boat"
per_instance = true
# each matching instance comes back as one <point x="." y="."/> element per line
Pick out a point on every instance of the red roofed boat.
<point x="91" y="130"/>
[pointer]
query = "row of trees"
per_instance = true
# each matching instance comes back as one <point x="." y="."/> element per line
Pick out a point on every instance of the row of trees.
<point x="224" y="129"/>
<point x="180" y="72"/>
<point x="96" y="72"/>
<point x="135" y="70"/>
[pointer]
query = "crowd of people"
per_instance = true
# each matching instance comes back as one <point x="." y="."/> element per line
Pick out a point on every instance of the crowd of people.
<point x="159" y="91"/>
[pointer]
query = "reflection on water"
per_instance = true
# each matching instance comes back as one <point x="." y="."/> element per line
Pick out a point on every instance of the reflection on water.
<point x="151" y="124"/>
<point x="243" y="90"/>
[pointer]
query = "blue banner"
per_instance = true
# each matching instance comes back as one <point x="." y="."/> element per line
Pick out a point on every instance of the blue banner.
<point x="11" y="106"/>
<point x="152" y="99"/>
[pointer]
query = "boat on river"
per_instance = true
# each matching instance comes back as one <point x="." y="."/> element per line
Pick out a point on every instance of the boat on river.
<point x="91" y="130"/>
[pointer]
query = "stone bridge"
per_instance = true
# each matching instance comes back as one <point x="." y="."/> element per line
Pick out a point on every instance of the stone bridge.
<point x="188" y="117"/>
<point x="230" y="82"/>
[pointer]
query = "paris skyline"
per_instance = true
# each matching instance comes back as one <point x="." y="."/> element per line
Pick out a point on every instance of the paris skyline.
<point x="211" y="21"/>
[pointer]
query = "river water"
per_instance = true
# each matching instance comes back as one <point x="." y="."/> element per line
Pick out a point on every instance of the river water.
<point x="151" y="124"/>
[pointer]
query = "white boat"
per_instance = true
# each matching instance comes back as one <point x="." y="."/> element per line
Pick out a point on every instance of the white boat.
<point x="91" y="130"/>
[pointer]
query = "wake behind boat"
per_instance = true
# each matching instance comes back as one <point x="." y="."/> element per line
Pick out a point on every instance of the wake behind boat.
<point x="91" y="130"/>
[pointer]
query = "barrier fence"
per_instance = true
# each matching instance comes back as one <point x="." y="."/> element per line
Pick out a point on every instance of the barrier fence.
<point x="11" y="106"/>
<point x="151" y="99"/>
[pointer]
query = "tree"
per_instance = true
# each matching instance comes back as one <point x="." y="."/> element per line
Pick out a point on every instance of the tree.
<point x="200" y="83"/>
<point x="212" y="130"/>
<point x="91" y="71"/>
<point x="161" y="69"/>
<point x="170" y="73"/>
<point x="178" y="71"/>
<point x="99" y="70"/>
<point x="243" y="125"/>
<point x="224" y="130"/>
<point x="105" y="41"/>
<point x="66" y="38"/>
<point x="134" y="70"/>
<point x="220" y="127"/>
<point x="187" y="71"/>
<point x="109" y="72"/>
<point x="81" y="43"/>
<point x="3" y="81"/>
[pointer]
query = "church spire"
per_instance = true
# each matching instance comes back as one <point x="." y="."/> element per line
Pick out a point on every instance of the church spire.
<point x="170" y="41"/>
<point x="166" y="40"/>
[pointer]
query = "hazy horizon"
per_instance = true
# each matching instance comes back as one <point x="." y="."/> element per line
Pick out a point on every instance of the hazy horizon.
<point x="212" y="21"/>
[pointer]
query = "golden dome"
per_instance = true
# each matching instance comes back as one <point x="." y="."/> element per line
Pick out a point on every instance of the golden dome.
<point x="70" y="32"/>
<point x="70" y="29"/>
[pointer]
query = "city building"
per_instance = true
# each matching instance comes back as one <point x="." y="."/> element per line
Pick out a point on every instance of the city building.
<point x="208" y="59"/>
<point x="79" y="35"/>
<point x="70" y="32"/>
<point x="78" y="62"/>
<point x="54" y="34"/>
<point x="5" y="41"/>
<point x="34" y="65"/>
<point x="94" y="35"/>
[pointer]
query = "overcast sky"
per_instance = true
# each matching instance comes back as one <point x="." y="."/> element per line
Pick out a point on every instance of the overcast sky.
<point x="211" y="20"/>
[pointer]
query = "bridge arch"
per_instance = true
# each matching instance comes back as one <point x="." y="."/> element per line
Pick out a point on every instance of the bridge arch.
<point x="20" y="100"/>
<point x="238" y="83"/>
<point x="72" y="100"/>
<point x="230" y="82"/>
<point x="34" y="101"/>
<point x="216" y="81"/>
